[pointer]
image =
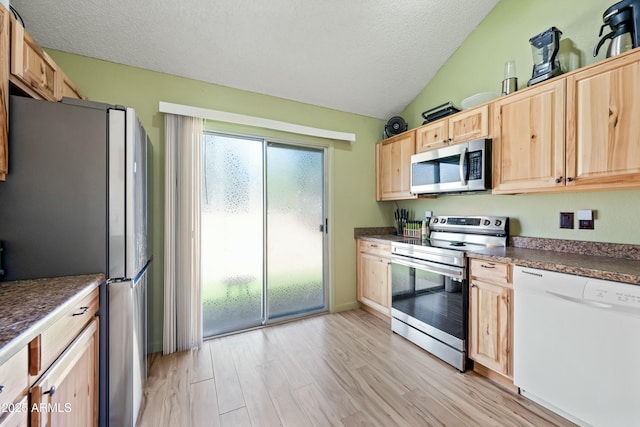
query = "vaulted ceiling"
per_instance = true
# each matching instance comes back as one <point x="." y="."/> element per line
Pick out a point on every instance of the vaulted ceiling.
<point x="369" y="57"/>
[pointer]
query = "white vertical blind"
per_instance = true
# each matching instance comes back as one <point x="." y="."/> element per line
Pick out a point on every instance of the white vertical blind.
<point x="182" y="282"/>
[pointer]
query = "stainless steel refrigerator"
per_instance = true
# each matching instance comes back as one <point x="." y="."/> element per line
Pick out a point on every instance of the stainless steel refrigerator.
<point x="75" y="202"/>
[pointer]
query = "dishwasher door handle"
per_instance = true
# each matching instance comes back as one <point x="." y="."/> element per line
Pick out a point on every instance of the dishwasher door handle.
<point x="581" y="301"/>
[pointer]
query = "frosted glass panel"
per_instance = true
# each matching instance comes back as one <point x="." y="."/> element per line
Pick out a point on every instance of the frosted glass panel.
<point x="232" y="234"/>
<point x="295" y="187"/>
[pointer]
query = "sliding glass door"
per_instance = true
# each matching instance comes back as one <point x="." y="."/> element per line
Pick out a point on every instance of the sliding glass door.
<point x="263" y="245"/>
<point x="295" y="225"/>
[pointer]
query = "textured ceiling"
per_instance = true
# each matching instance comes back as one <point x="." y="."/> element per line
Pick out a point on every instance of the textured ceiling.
<point x="369" y="57"/>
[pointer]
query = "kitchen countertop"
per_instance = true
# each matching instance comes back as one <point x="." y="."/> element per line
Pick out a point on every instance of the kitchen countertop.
<point x="28" y="307"/>
<point x="582" y="262"/>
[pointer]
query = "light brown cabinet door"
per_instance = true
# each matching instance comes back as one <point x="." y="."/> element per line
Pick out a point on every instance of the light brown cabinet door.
<point x="469" y="125"/>
<point x="34" y="70"/>
<point x="529" y="140"/>
<point x="65" y="87"/>
<point x="603" y="122"/>
<point x="373" y="281"/>
<point x="5" y="25"/>
<point x="67" y="393"/>
<point x="490" y="335"/>
<point x="432" y="136"/>
<point x="393" y="167"/>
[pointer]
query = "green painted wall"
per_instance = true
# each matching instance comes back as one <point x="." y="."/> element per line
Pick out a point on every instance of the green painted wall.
<point x="477" y="66"/>
<point x="352" y="174"/>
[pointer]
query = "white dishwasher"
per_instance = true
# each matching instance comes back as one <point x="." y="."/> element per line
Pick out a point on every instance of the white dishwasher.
<point x="577" y="346"/>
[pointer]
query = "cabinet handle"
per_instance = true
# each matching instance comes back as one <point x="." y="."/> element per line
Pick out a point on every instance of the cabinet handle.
<point x="51" y="391"/>
<point x="473" y="285"/>
<point x="569" y="179"/>
<point x="83" y="310"/>
<point x="1" y="388"/>
<point x="487" y="266"/>
<point x="558" y="180"/>
<point x="373" y="245"/>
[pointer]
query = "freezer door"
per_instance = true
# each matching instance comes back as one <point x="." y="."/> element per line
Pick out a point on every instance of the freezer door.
<point x="127" y="365"/>
<point x="53" y="206"/>
<point x="136" y="195"/>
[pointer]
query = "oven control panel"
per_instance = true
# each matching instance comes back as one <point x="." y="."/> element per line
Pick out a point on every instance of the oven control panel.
<point x="495" y="225"/>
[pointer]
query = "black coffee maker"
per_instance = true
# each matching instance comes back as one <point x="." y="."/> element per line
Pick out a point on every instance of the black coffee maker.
<point x="624" y="20"/>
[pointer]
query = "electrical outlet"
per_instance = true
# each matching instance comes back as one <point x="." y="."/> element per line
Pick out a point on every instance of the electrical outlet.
<point x="585" y="219"/>
<point x="566" y="219"/>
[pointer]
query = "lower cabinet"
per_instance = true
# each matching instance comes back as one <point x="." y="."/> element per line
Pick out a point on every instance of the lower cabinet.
<point x="374" y="276"/>
<point x="53" y="381"/>
<point x="14" y="381"/>
<point x="66" y="395"/>
<point x="17" y="414"/>
<point x="491" y="319"/>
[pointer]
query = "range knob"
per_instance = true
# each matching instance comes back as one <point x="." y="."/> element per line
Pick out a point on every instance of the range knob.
<point x="434" y="220"/>
<point x="443" y="220"/>
<point x="486" y="222"/>
<point x="498" y="223"/>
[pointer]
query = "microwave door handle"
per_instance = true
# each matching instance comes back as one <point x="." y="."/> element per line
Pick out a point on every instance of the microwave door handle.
<point x="463" y="160"/>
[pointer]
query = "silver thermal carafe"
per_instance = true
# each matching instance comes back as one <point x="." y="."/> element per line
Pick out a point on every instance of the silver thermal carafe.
<point x="624" y="20"/>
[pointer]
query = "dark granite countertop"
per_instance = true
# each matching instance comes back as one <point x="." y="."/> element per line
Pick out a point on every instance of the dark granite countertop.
<point x="28" y="307"/>
<point x="608" y="261"/>
<point x="599" y="267"/>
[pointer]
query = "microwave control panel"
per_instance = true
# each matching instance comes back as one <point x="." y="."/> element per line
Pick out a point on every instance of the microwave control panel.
<point x="475" y="165"/>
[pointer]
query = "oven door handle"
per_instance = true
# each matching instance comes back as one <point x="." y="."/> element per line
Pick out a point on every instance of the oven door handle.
<point x="453" y="272"/>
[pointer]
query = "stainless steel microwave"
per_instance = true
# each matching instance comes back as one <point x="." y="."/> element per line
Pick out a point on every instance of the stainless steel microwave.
<point x="453" y="169"/>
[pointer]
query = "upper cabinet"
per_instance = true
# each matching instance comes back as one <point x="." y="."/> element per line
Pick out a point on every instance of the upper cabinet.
<point x="25" y="66"/>
<point x="4" y="91"/>
<point x="32" y="70"/>
<point x="65" y="87"/>
<point x="603" y="126"/>
<point x="578" y="132"/>
<point x="393" y="167"/>
<point x="464" y="126"/>
<point x="528" y="139"/>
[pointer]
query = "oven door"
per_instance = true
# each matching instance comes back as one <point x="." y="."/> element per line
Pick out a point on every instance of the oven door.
<point x="432" y="298"/>
<point x="456" y="168"/>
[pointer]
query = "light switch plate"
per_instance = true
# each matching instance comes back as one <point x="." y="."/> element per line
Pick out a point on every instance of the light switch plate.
<point x="566" y="219"/>
<point x="585" y="214"/>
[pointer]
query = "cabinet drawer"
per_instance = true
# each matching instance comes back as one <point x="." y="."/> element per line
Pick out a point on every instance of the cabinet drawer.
<point x="46" y="348"/>
<point x="13" y="378"/>
<point x="16" y="415"/>
<point x="496" y="272"/>
<point x="370" y="247"/>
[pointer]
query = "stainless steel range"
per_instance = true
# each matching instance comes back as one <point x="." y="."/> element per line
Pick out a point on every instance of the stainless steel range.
<point x="429" y="283"/>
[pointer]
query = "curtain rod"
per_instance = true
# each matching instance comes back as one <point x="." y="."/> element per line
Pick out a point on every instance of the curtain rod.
<point x="241" y="119"/>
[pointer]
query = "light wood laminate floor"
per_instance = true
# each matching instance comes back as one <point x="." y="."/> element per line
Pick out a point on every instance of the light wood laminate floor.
<point x="344" y="369"/>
